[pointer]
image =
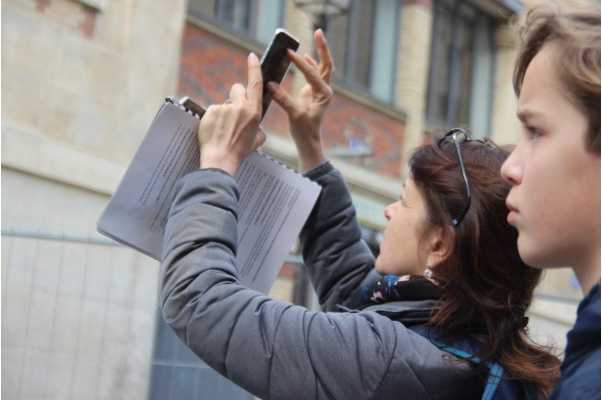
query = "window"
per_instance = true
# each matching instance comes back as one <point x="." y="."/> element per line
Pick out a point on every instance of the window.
<point x="255" y="18"/>
<point x="461" y="67"/>
<point x="364" y="47"/>
<point x="177" y="373"/>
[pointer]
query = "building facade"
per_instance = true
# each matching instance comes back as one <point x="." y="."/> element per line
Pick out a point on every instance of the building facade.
<point x="81" y="81"/>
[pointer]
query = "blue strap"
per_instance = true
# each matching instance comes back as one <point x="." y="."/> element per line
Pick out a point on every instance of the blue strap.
<point x="495" y="376"/>
<point x="496" y="372"/>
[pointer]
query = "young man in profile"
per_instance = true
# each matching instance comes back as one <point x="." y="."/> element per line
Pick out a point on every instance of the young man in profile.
<point x="555" y="171"/>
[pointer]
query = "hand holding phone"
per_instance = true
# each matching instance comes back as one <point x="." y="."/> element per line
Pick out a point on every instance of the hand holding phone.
<point x="306" y="108"/>
<point x="275" y="62"/>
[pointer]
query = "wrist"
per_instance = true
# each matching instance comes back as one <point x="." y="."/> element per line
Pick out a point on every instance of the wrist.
<point x="309" y="145"/>
<point x="307" y="141"/>
<point x="310" y="160"/>
<point x="225" y="164"/>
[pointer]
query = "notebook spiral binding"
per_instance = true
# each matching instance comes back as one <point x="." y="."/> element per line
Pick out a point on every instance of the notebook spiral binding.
<point x="187" y="105"/>
<point x="197" y="111"/>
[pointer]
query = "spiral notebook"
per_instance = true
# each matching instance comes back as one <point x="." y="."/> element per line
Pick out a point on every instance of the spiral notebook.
<point x="274" y="203"/>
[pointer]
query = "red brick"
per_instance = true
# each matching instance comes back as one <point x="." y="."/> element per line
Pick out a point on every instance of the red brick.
<point x="210" y="65"/>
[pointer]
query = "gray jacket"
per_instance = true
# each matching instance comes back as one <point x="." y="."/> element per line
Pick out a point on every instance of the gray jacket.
<point x="276" y="350"/>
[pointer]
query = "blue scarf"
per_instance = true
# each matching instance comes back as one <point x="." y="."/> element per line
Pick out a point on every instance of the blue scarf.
<point x="397" y="288"/>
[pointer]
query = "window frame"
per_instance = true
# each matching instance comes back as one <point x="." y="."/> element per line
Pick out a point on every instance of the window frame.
<point x="346" y="80"/>
<point x="249" y="35"/>
<point x="454" y="11"/>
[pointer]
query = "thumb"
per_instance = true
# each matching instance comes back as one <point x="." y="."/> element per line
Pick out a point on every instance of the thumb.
<point x="280" y="96"/>
<point x="260" y="139"/>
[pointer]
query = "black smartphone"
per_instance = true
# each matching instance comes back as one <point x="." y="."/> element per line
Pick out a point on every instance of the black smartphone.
<point x="275" y="62"/>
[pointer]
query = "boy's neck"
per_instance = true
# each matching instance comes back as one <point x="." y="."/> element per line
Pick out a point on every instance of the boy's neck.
<point x="588" y="273"/>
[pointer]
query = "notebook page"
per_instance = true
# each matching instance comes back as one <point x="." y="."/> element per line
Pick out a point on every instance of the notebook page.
<point x="274" y="201"/>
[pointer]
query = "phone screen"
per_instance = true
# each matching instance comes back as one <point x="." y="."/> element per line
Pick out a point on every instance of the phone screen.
<point x="275" y="63"/>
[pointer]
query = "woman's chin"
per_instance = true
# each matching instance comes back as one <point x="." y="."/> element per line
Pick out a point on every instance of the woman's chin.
<point x="379" y="266"/>
<point x="384" y="268"/>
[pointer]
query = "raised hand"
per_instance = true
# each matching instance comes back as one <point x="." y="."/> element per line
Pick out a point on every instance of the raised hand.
<point x="306" y="109"/>
<point x="229" y="132"/>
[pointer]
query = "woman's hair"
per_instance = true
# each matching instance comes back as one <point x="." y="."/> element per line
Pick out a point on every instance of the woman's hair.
<point x="486" y="288"/>
<point x="576" y="30"/>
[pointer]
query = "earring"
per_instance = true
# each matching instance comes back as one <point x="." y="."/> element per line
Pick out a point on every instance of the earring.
<point x="428" y="274"/>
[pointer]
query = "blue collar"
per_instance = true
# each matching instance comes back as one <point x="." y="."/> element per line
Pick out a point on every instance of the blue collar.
<point x="585" y="335"/>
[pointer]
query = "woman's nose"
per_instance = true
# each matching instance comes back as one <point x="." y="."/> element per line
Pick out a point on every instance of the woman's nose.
<point x="388" y="212"/>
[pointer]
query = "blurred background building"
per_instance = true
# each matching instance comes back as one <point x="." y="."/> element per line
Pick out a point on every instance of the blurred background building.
<point x="81" y="82"/>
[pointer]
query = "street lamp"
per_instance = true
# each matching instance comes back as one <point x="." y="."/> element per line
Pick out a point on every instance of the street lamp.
<point x="321" y="11"/>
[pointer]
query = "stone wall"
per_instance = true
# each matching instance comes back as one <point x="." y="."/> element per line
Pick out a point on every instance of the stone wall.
<point x="80" y="83"/>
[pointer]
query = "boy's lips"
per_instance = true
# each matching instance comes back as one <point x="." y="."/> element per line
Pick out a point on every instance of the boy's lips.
<point x="512" y="213"/>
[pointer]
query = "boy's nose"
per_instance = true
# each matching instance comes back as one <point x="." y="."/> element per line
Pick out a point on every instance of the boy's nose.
<point x="511" y="170"/>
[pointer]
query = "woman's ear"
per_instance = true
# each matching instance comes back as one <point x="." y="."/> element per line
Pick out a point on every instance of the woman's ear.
<point x="440" y="245"/>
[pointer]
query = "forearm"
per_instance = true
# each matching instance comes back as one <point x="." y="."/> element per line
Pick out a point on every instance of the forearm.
<point x="201" y="297"/>
<point x="337" y="258"/>
<point x="310" y="152"/>
<point x="270" y="348"/>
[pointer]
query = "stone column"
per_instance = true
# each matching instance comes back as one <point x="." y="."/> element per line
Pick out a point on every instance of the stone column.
<point x="413" y="56"/>
<point x="300" y="26"/>
<point x="505" y="127"/>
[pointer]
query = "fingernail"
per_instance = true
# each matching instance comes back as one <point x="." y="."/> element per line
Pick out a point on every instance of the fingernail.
<point x="253" y="57"/>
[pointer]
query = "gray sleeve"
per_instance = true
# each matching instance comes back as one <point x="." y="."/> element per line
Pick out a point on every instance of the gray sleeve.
<point x="338" y="260"/>
<point x="270" y="348"/>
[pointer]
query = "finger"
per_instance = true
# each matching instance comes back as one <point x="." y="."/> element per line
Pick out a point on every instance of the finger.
<point x="326" y="62"/>
<point x="311" y="75"/>
<point x="311" y="61"/>
<point x="210" y="113"/>
<point x="260" y="138"/>
<point x="237" y="93"/>
<point x="208" y="120"/>
<point x="281" y="97"/>
<point x="255" y="82"/>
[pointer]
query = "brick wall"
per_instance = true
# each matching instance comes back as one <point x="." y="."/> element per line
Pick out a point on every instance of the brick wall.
<point x="211" y="64"/>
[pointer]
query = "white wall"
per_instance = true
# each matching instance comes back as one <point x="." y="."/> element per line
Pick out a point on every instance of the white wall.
<point x="77" y="318"/>
<point x="80" y="85"/>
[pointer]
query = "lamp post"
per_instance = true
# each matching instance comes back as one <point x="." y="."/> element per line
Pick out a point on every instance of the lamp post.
<point x="320" y="13"/>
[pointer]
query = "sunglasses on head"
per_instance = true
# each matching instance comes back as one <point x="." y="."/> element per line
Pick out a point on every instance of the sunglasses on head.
<point x="458" y="136"/>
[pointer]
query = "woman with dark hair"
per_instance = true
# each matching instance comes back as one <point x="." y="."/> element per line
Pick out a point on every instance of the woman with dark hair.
<point x="440" y="314"/>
